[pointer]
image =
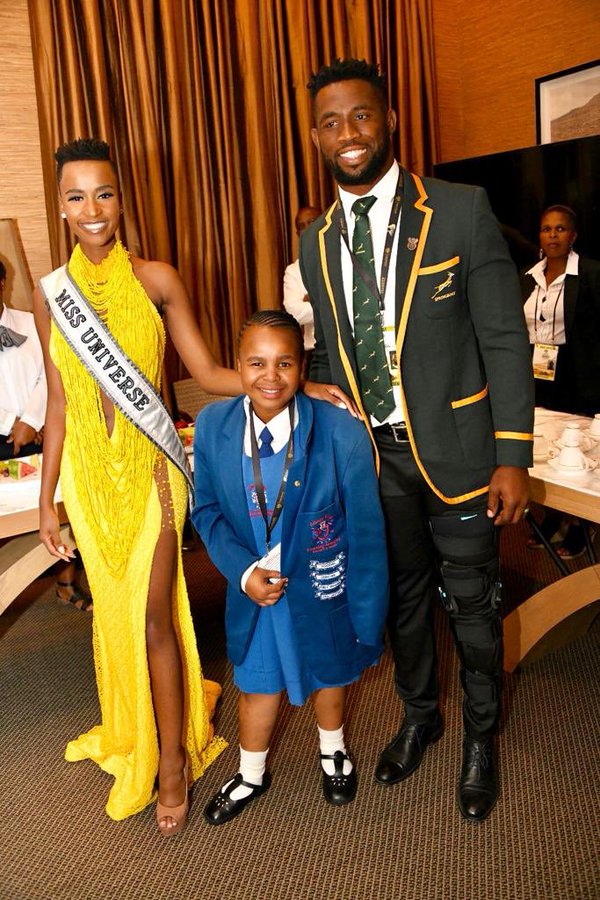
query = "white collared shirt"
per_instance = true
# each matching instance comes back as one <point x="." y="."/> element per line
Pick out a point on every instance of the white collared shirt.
<point x="379" y="217"/>
<point x="23" y="391"/>
<point x="279" y="426"/>
<point x="294" y="293"/>
<point x="545" y="307"/>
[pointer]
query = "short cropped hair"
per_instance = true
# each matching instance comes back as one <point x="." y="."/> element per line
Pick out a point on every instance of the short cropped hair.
<point x="565" y="211"/>
<point x="82" y="149"/>
<point x="345" y="70"/>
<point x="274" y="318"/>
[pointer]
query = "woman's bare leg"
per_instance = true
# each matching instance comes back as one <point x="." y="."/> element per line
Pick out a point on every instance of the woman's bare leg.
<point x="166" y="673"/>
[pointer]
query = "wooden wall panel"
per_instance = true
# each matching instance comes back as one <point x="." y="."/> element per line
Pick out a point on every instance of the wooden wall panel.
<point x="21" y="187"/>
<point x="488" y="56"/>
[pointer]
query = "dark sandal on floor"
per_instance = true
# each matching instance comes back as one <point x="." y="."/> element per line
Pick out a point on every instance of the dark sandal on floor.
<point x="77" y="596"/>
<point x="574" y="544"/>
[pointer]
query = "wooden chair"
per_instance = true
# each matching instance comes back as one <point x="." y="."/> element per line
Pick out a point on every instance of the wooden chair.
<point x="190" y="398"/>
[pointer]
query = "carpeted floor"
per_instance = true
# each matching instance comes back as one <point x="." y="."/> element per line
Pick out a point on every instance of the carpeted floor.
<point x="407" y="842"/>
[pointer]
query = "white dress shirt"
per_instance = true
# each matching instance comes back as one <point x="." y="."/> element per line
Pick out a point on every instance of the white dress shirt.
<point x="545" y="307"/>
<point x="379" y="217"/>
<point x="23" y="391"/>
<point x="294" y="293"/>
<point x="279" y="426"/>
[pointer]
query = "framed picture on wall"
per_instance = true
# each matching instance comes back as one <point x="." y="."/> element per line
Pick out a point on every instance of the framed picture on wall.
<point x="567" y="103"/>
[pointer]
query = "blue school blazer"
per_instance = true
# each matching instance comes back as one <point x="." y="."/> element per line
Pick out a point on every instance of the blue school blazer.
<point x="333" y="535"/>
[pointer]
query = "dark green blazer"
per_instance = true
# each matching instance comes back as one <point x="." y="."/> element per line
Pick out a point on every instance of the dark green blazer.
<point x="465" y="363"/>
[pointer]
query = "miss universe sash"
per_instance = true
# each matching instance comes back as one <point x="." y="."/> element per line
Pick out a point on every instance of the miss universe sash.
<point x="120" y="379"/>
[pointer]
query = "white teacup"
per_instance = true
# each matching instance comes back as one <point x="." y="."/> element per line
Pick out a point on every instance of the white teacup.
<point x="594" y="429"/>
<point x="574" y="459"/>
<point x="571" y="436"/>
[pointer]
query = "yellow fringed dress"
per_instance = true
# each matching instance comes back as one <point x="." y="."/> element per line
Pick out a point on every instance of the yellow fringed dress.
<point x="119" y="492"/>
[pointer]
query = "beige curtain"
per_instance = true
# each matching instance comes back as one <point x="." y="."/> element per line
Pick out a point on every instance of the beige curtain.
<point x="205" y="106"/>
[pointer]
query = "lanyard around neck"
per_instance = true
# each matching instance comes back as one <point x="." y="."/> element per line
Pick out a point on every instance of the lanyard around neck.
<point x="258" y="480"/>
<point x="539" y="317"/>
<point x="360" y="267"/>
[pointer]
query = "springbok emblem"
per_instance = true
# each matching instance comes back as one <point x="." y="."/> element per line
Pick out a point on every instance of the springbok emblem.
<point x="439" y="291"/>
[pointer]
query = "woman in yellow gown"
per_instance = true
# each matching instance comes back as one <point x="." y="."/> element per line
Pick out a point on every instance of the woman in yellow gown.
<point x="126" y="502"/>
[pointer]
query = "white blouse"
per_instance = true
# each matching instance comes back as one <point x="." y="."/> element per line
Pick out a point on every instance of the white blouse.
<point x="545" y="307"/>
<point x="23" y="391"/>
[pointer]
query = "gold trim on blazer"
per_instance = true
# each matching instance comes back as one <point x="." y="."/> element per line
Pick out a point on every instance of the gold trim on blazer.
<point x="455" y="404"/>
<point x="513" y="435"/>
<point x="439" y="267"/>
<point x="412" y="282"/>
<point x="341" y="349"/>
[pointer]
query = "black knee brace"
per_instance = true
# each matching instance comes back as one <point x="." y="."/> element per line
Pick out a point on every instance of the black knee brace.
<point x="470" y="589"/>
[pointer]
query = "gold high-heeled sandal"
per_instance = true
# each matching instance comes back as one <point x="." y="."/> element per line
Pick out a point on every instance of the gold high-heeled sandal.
<point x="177" y="814"/>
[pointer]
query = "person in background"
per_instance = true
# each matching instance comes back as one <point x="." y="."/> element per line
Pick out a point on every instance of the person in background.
<point x="418" y="316"/>
<point x="561" y="295"/>
<point x="295" y="297"/>
<point x="296" y="527"/>
<point x="23" y="396"/>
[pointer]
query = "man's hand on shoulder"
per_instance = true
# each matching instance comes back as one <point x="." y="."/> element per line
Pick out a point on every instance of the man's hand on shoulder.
<point x="332" y="394"/>
<point x="508" y="494"/>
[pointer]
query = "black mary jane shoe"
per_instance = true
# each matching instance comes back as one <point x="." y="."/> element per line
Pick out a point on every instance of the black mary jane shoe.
<point x="222" y="808"/>
<point x="478" y="785"/>
<point x="338" y="788"/>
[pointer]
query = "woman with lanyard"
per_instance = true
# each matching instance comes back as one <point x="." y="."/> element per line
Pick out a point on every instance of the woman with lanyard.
<point x="562" y="309"/>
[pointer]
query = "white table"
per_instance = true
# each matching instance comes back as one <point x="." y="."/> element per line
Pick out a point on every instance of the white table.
<point x="23" y="558"/>
<point x="578" y="495"/>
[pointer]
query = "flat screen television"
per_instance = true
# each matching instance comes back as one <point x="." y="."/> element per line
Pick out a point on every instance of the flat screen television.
<point x="522" y="183"/>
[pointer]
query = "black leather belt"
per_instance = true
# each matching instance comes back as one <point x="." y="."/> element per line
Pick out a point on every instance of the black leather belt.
<point x="399" y="433"/>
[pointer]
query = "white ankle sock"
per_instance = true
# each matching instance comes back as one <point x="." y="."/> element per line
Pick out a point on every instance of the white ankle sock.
<point x="252" y="768"/>
<point x="329" y="743"/>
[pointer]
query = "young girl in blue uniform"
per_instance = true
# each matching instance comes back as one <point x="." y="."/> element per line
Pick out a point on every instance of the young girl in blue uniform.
<point x="287" y="505"/>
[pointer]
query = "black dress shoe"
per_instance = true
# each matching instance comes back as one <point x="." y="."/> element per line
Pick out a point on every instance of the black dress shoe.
<point x="222" y="808"/>
<point x="403" y="755"/>
<point x="478" y="785"/>
<point x="338" y="788"/>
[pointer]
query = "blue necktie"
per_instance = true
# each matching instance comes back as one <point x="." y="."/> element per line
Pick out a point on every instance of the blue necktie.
<point x="266" y="438"/>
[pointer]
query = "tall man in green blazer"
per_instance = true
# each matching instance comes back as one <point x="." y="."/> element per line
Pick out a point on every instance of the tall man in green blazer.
<point x="418" y="317"/>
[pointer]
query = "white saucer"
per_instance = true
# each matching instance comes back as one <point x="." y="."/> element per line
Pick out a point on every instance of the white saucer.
<point x="570" y="473"/>
<point x="591" y="437"/>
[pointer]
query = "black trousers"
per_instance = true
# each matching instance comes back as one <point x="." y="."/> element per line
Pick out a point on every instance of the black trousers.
<point x="449" y="551"/>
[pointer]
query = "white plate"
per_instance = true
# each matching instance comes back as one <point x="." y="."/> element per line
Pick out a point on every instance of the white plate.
<point x="570" y="473"/>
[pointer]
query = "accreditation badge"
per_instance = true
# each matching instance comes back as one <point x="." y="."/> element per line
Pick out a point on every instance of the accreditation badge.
<point x="389" y="338"/>
<point x="544" y="361"/>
